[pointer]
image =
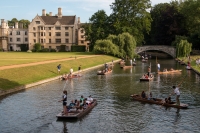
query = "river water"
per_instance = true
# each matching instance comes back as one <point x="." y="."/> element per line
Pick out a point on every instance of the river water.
<point x="34" y="110"/>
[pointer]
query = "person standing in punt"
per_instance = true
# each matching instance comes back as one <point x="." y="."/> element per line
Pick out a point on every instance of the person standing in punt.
<point x="64" y="100"/>
<point x="177" y="92"/>
<point x="158" y="65"/>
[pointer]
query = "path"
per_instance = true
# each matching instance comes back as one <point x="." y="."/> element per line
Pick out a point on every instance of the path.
<point x="42" y="62"/>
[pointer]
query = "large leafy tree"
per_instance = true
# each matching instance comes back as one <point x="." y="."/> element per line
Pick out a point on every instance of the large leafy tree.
<point x="23" y="21"/>
<point x="167" y="23"/>
<point x="191" y="10"/>
<point x="97" y="28"/>
<point x="131" y="16"/>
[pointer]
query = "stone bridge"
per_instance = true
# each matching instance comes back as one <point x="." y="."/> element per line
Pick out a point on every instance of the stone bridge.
<point x="166" y="49"/>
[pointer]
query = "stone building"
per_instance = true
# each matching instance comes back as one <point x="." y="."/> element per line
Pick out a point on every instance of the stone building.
<point x="53" y="31"/>
<point x="11" y="38"/>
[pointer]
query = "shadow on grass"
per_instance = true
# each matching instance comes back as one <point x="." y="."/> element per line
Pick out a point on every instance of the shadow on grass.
<point x="6" y="84"/>
<point x="53" y="72"/>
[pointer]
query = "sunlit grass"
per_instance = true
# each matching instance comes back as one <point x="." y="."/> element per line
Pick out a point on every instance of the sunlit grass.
<point x="10" y="78"/>
<point x="13" y="58"/>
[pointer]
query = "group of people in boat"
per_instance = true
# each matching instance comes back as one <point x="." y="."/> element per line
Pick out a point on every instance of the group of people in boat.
<point x="75" y="105"/>
<point x="146" y="76"/>
<point x="71" y="75"/>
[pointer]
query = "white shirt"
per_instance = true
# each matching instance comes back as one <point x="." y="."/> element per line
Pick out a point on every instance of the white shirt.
<point x="90" y="99"/>
<point x="176" y="91"/>
<point x="71" y="70"/>
<point x="158" y="65"/>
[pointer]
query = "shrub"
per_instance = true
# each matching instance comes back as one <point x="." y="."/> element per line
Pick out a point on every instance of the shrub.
<point x="52" y="50"/>
<point x="44" y="50"/>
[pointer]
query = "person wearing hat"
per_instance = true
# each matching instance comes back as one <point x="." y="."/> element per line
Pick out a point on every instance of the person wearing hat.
<point x="177" y="92"/>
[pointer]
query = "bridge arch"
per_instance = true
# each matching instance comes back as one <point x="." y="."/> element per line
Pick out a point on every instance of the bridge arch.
<point x="167" y="49"/>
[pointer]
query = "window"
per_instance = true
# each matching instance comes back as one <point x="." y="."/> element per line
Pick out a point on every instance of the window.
<point x="58" y="34"/>
<point x="82" y="31"/>
<point x="10" y="39"/>
<point x="49" y="40"/>
<point x="10" y="32"/>
<point x="44" y="33"/>
<point x="18" y="33"/>
<point x="41" y="34"/>
<point x="41" y="28"/>
<point x="49" y="33"/>
<point x="66" y="28"/>
<point x="66" y="40"/>
<point x="34" y="34"/>
<point x="41" y="40"/>
<point x="57" y="28"/>
<point x="34" y="40"/>
<point x="25" y="32"/>
<point x="49" y="28"/>
<point x="82" y="42"/>
<point x="37" y="22"/>
<point x="58" y="40"/>
<point x="34" y="28"/>
<point x="82" y="36"/>
<point x="66" y="33"/>
<point x="18" y="39"/>
<point x="26" y="39"/>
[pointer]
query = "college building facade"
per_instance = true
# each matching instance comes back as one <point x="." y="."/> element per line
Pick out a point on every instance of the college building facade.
<point x="48" y="30"/>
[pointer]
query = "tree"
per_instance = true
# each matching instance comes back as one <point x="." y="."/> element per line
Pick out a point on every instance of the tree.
<point x="183" y="48"/>
<point x="12" y="22"/>
<point x="106" y="47"/>
<point x="167" y="23"/>
<point x="131" y="16"/>
<point x="97" y="28"/>
<point x="25" y="23"/>
<point x="37" y="47"/>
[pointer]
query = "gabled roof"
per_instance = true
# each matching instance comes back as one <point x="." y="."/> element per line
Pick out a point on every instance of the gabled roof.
<point x="65" y="20"/>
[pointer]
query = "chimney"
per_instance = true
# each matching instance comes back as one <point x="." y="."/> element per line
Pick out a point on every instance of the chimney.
<point x="16" y="25"/>
<point x="21" y="25"/>
<point x="59" y="12"/>
<point x="43" y="12"/>
<point x="50" y="13"/>
<point x="79" y="20"/>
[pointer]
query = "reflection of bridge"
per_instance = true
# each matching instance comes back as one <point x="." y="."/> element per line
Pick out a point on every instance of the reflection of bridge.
<point x="167" y="49"/>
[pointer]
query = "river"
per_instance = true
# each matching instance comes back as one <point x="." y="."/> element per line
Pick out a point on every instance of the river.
<point x="34" y="110"/>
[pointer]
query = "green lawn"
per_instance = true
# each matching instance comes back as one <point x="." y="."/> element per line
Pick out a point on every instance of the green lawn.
<point x="193" y="61"/>
<point x="13" y="58"/>
<point x="11" y="78"/>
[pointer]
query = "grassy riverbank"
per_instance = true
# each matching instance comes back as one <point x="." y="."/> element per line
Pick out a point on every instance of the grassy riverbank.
<point x="193" y="61"/>
<point x="11" y="78"/>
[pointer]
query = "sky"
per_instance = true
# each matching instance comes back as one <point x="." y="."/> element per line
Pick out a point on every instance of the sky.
<point x="27" y="9"/>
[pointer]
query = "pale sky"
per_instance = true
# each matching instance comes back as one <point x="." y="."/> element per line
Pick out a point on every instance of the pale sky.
<point x="26" y="9"/>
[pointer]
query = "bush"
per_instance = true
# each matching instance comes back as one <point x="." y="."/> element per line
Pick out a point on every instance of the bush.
<point x="37" y="47"/>
<point x="62" y="48"/>
<point x="33" y="50"/>
<point x="78" y="48"/>
<point x="52" y="50"/>
<point x="44" y="50"/>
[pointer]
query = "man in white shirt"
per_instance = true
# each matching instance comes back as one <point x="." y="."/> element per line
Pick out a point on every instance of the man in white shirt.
<point x="177" y="92"/>
<point x="158" y="65"/>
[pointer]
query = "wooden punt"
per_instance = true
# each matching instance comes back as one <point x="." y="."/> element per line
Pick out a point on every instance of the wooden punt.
<point x="169" y="72"/>
<point x="103" y="73"/>
<point x="134" y="64"/>
<point x="71" y="77"/>
<point x="76" y="114"/>
<point x="158" y="102"/>
<point x="124" y="67"/>
<point x="147" y="79"/>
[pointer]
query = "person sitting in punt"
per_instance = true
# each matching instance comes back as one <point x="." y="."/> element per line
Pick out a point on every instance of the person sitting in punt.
<point x="169" y="100"/>
<point x="171" y="69"/>
<point x="151" y="76"/>
<point x="143" y="76"/>
<point x="71" y="105"/>
<point x="165" y="70"/>
<point x="143" y="94"/>
<point x="146" y="76"/>
<point x="90" y="99"/>
<point x="85" y="104"/>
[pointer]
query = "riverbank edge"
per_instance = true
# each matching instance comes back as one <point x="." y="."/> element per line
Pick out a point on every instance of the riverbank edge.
<point x="24" y="87"/>
<point x="196" y="71"/>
